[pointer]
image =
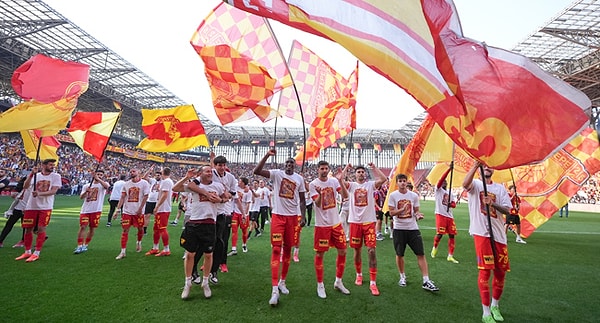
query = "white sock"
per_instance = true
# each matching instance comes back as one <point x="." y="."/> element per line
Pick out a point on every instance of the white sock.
<point x="338" y="279"/>
<point x="425" y="279"/>
<point x="486" y="310"/>
<point x="166" y="248"/>
<point x="155" y="246"/>
<point x="403" y="275"/>
<point x="233" y="248"/>
<point x="123" y="250"/>
<point x="495" y="302"/>
<point x="275" y="289"/>
<point x="37" y="252"/>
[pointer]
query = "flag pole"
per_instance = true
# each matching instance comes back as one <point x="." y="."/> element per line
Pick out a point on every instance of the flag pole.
<point x="489" y="219"/>
<point x="297" y="97"/>
<point x="37" y="160"/>
<point x="451" y="175"/>
<point x="351" y="145"/>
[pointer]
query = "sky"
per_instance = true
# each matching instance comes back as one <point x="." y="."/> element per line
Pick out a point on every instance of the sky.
<point x="154" y="36"/>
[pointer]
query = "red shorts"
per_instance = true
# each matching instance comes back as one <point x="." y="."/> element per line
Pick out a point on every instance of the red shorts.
<point x="31" y="217"/>
<point x="485" y="256"/>
<point x="284" y="230"/>
<point x="161" y="220"/>
<point x="128" y="220"/>
<point x="91" y="219"/>
<point x="445" y="225"/>
<point x="326" y="237"/>
<point x="242" y="221"/>
<point x="360" y="232"/>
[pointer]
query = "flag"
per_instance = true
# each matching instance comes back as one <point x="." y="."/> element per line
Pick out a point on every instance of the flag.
<point x="419" y="46"/>
<point x="49" y="118"/>
<point x="172" y="130"/>
<point x="31" y="140"/>
<point x="92" y="130"/>
<point x="238" y="85"/>
<point x="251" y="37"/>
<point x="317" y="84"/>
<point x="45" y="79"/>
<point x="357" y="145"/>
<point x="397" y="149"/>
<point x="342" y="145"/>
<point x="216" y="142"/>
<point x="377" y="147"/>
<point x="117" y="105"/>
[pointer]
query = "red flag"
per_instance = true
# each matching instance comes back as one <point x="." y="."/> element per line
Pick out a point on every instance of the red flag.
<point x="31" y="141"/>
<point x="92" y="130"/>
<point x="46" y="79"/>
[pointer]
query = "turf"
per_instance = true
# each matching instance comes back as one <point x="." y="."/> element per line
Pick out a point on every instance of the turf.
<point x="554" y="278"/>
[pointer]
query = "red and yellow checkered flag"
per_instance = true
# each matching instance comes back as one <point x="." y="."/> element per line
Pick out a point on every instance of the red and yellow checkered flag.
<point x="250" y="37"/>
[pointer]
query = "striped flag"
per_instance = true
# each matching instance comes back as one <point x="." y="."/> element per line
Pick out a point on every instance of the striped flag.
<point x="172" y="130"/>
<point x="251" y="37"/>
<point x="419" y="46"/>
<point x="31" y="141"/>
<point x="92" y="130"/>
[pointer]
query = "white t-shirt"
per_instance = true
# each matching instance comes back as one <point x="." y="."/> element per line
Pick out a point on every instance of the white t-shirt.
<point x="230" y="184"/>
<point x="154" y="190"/>
<point x="115" y="195"/>
<point x="166" y="185"/>
<point x="255" y="205"/>
<point x="23" y="198"/>
<point x="95" y="198"/>
<point x="286" y="192"/>
<point x="361" y="202"/>
<point x="441" y="203"/>
<point x="406" y="202"/>
<point x="199" y="206"/>
<point x="478" y="224"/>
<point x="263" y="196"/>
<point x="246" y="199"/>
<point x="44" y="183"/>
<point x="327" y="215"/>
<point x="134" y="198"/>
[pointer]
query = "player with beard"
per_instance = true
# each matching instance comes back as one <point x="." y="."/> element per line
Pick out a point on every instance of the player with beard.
<point x="133" y="198"/>
<point x="92" y="195"/>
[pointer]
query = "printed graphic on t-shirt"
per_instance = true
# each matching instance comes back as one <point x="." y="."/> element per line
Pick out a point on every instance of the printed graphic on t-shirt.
<point x="287" y="188"/>
<point x="42" y="186"/>
<point x="327" y="198"/>
<point x="483" y="208"/>
<point x="133" y="194"/>
<point x="405" y="207"/>
<point x="445" y="199"/>
<point x="361" y="197"/>
<point x="92" y="195"/>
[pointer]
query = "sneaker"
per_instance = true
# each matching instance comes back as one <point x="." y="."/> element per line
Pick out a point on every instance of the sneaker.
<point x="35" y="257"/>
<point x="283" y="288"/>
<point x="108" y="224"/>
<point x="152" y="252"/>
<point x="138" y="247"/>
<point x="206" y="290"/>
<point x="213" y="278"/>
<point x="391" y="234"/>
<point x="19" y="244"/>
<point x="358" y="281"/>
<point x="186" y="291"/>
<point x="163" y="253"/>
<point x="374" y="290"/>
<point x="7" y="214"/>
<point x="452" y="260"/>
<point x="174" y="223"/>
<point x="340" y="286"/>
<point x="274" y="299"/>
<point x="197" y="279"/>
<point x="402" y="282"/>
<point x="223" y="268"/>
<point x="430" y="286"/>
<point x="23" y="256"/>
<point x="232" y="253"/>
<point x="244" y="249"/>
<point x="120" y="256"/>
<point x="488" y="319"/>
<point x="496" y="314"/>
<point x="379" y="236"/>
<point x="321" y="291"/>
<point x="78" y="250"/>
<point x="385" y="231"/>
<point x="520" y="240"/>
<point x="434" y="252"/>
<point x="296" y="259"/>
<point x="84" y="249"/>
<point x="258" y="234"/>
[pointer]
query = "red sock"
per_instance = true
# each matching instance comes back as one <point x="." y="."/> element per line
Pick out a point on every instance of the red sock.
<point x="244" y="235"/>
<point x="39" y="242"/>
<point x="165" y="236"/>
<point x="275" y="255"/>
<point x="28" y="240"/>
<point x="358" y="267"/>
<point x="319" y="268"/>
<point x="373" y="274"/>
<point x="124" y="237"/>
<point x="484" y="287"/>
<point x="285" y="266"/>
<point x="155" y="235"/>
<point x="451" y="246"/>
<point x="436" y="240"/>
<point x="87" y="240"/>
<point x="340" y="265"/>
<point x="234" y="235"/>
<point x="498" y="283"/>
<point x="79" y="241"/>
<point x="140" y="235"/>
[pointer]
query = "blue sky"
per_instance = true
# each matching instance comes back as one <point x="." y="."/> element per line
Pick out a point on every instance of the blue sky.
<point x="154" y="36"/>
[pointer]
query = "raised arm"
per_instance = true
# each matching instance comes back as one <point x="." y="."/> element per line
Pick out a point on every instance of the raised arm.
<point x="441" y="180"/>
<point x="468" y="181"/>
<point x="258" y="170"/>
<point x="380" y="177"/>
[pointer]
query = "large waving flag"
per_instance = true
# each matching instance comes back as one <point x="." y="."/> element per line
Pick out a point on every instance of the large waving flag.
<point x="474" y="92"/>
<point x="31" y="142"/>
<point x="172" y="130"/>
<point x="250" y="37"/>
<point x="92" y="130"/>
<point x="52" y="88"/>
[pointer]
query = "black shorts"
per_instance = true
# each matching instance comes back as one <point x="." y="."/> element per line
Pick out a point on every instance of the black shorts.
<point x="379" y="215"/>
<point x="149" y="207"/>
<point x="254" y="216"/>
<point x="181" y="207"/>
<point x="513" y="219"/>
<point x="387" y="215"/>
<point x="197" y="237"/>
<point x="412" y="238"/>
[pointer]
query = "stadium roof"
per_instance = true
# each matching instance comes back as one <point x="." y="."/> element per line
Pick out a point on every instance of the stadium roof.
<point x="567" y="46"/>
